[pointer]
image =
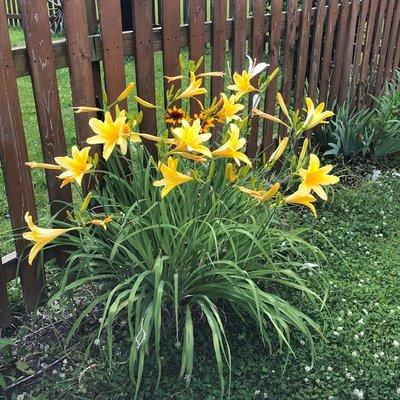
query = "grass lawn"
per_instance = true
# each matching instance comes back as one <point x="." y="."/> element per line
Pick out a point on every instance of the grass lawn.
<point x="357" y="357"/>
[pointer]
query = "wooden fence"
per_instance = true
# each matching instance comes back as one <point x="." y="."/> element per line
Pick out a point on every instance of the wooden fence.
<point x="332" y="48"/>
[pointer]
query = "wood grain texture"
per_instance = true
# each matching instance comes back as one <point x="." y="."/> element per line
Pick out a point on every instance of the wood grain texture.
<point x="257" y="44"/>
<point x="80" y="64"/>
<point x="288" y="57"/>
<point x="303" y="51"/>
<point x="273" y="59"/>
<point x="170" y="14"/>
<point x="239" y="35"/>
<point x="113" y="49"/>
<point x="360" y="41"/>
<point x="374" y="61"/>
<point x="348" y="57"/>
<point x="388" y="23"/>
<point x="18" y="181"/>
<point x="47" y="102"/>
<point x="144" y="62"/>
<point x="365" y="65"/>
<point x="392" y="42"/>
<point x="219" y="10"/>
<point x="93" y="28"/>
<point x="197" y="18"/>
<point x="316" y="50"/>
<point x="340" y="50"/>
<point x="396" y="58"/>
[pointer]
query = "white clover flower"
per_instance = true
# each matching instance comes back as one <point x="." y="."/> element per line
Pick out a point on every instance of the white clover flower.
<point x="354" y="354"/>
<point x="329" y="369"/>
<point x="358" y="393"/>
<point x="307" y="368"/>
<point x="396" y="343"/>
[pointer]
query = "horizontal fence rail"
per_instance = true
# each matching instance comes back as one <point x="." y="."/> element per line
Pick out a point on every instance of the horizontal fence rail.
<point x="333" y="50"/>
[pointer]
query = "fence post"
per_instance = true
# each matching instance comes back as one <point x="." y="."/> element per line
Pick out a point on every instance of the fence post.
<point x="13" y="149"/>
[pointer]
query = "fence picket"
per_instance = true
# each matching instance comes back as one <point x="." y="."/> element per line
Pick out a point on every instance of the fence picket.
<point x="374" y="64"/>
<point x="302" y="59"/>
<point x="197" y="18"/>
<point x="384" y="47"/>
<point x="360" y="41"/>
<point x="348" y="58"/>
<point x="333" y="14"/>
<point x="288" y="57"/>
<point x="273" y="59"/>
<point x="219" y="9"/>
<point x="143" y="22"/>
<point x="92" y="19"/>
<point x="18" y="181"/>
<point x="257" y="53"/>
<point x="113" y="49"/>
<point x="44" y="79"/>
<point x="367" y="54"/>
<point x="239" y="35"/>
<point x="316" y="49"/>
<point x="392" y="41"/>
<point x="79" y="60"/>
<point x="396" y="58"/>
<point x="171" y="35"/>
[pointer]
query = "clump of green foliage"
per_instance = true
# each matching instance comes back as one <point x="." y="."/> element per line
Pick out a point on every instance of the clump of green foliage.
<point x="375" y="131"/>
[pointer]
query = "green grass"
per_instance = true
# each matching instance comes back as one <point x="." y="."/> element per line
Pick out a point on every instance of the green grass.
<point x="361" y="324"/>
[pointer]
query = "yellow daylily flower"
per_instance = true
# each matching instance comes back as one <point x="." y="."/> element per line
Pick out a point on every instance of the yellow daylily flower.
<point x="194" y="89"/>
<point x="81" y="110"/>
<point x="40" y="236"/>
<point x="302" y="197"/>
<point x="230" y="173"/>
<point x="230" y="149"/>
<point x="174" y="78"/>
<point x="304" y="150"/>
<point x="126" y="92"/>
<point x="262" y="195"/>
<point x="144" y="103"/>
<point x="109" y="133"/>
<point x="75" y="167"/>
<point x="229" y="109"/>
<point x="276" y="155"/>
<point x="188" y="138"/>
<point x="242" y="84"/>
<point x="315" y="177"/>
<point x="315" y="116"/>
<point x="101" y="222"/>
<point x="34" y="164"/>
<point x="217" y="74"/>
<point x="171" y="177"/>
<point x="269" y="117"/>
<point x="282" y="105"/>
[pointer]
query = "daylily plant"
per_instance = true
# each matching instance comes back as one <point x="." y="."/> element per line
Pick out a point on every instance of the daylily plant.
<point x="190" y="140"/>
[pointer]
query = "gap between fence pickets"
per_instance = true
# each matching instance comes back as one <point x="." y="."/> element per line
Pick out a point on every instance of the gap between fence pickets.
<point x="60" y="48"/>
